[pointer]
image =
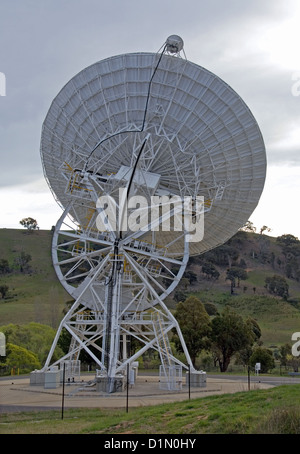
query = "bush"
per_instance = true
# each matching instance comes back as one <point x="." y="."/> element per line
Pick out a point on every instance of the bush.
<point x="34" y="337"/>
<point x="19" y="359"/>
<point x="3" y="290"/>
<point x="281" y="421"/>
<point x="277" y="285"/>
<point x="263" y="356"/>
<point x="4" y="266"/>
<point x="210" y="308"/>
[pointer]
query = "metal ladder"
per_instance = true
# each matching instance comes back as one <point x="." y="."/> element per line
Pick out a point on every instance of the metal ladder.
<point x="168" y="367"/>
<point x="74" y="343"/>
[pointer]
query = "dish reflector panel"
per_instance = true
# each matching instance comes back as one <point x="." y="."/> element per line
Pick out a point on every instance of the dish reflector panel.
<point x="203" y="139"/>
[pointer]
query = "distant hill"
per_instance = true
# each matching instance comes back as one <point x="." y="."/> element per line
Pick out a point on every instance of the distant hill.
<point x="261" y="256"/>
<point x="35" y="294"/>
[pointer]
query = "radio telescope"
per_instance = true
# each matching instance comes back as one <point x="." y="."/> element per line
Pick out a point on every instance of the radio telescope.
<point x="130" y="128"/>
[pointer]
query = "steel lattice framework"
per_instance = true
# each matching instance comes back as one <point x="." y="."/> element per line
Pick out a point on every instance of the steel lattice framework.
<point x="152" y="125"/>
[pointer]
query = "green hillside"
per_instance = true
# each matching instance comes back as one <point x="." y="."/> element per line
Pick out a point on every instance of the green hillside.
<point x="261" y="256"/>
<point x="35" y="294"/>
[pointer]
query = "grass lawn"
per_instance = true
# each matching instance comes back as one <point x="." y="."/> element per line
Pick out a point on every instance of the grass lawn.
<point x="272" y="410"/>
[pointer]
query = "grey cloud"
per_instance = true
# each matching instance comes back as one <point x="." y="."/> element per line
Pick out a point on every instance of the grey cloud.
<point x="44" y="44"/>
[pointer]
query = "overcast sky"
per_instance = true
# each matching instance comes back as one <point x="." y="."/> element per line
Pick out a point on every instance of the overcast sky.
<point x="252" y="45"/>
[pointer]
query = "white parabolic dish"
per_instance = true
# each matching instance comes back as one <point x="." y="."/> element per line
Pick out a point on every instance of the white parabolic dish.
<point x="203" y="139"/>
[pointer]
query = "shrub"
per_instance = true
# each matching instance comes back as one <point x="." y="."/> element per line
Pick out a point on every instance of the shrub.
<point x="277" y="285"/>
<point x="281" y="421"/>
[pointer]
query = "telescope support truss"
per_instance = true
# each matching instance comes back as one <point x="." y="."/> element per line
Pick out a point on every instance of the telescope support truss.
<point x="118" y="287"/>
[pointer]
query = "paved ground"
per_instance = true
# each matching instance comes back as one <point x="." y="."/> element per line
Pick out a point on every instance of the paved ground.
<point x="18" y="395"/>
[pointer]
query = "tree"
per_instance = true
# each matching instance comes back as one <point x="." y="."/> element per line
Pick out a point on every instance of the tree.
<point x="249" y="227"/>
<point x="243" y="264"/>
<point x="277" y="285"/>
<point x="230" y="335"/>
<point x="292" y="268"/>
<point x="290" y="245"/>
<point x="294" y="362"/>
<point x="210" y="271"/>
<point x="3" y="290"/>
<point x="210" y="308"/>
<point x="236" y="273"/>
<point x="222" y="255"/>
<point x="264" y="228"/>
<point x="263" y="356"/>
<point x="180" y="295"/>
<point x="22" y="261"/>
<point x="291" y="250"/>
<point x="20" y="358"/>
<point x="254" y="328"/>
<point x="284" y="351"/>
<point x="35" y="337"/>
<point x="4" y="266"/>
<point x="263" y="248"/>
<point x="287" y="239"/>
<point x="29" y="223"/>
<point x="194" y="323"/>
<point x="244" y="355"/>
<point x="191" y="276"/>
<point x="287" y="359"/>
